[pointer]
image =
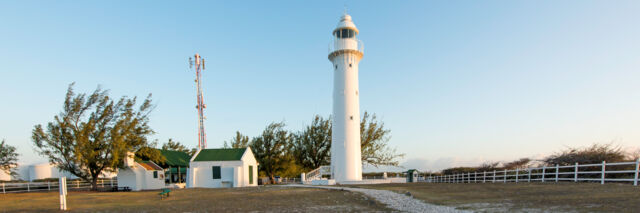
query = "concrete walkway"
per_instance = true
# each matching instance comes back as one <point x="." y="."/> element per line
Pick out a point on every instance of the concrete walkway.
<point x="393" y="200"/>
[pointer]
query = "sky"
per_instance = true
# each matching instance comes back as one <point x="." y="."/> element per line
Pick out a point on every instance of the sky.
<point x="458" y="83"/>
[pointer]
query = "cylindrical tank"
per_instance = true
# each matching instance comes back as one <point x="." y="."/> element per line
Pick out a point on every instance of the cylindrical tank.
<point x="346" y="162"/>
<point x="40" y="171"/>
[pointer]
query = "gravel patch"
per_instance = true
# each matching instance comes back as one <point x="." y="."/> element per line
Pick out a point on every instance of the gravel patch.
<point x="400" y="202"/>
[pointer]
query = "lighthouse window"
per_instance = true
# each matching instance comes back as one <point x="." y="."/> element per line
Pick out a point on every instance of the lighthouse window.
<point x="349" y="65"/>
<point x="351" y="117"/>
<point x="336" y="66"/>
<point x="345" y="33"/>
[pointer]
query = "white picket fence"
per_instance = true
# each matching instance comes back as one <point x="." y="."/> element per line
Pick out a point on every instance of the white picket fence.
<point x="53" y="185"/>
<point x="549" y="174"/>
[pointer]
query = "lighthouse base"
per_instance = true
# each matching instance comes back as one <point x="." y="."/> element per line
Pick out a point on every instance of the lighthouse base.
<point x="328" y="182"/>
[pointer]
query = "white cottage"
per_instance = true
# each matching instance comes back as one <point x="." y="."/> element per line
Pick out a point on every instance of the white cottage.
<point x="223" y="168"/>
<point x="140" y="175"/>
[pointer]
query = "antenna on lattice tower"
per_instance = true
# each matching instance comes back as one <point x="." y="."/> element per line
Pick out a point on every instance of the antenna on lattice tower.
<point x="198" y="63"/>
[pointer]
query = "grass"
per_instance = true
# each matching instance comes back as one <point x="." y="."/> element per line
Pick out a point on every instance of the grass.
<point x="525" y="197"/>
<point x="263" y="198"/>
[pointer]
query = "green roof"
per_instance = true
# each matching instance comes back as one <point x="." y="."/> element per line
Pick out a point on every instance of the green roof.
<point x="175" y="158"/>
<point x="174" y="170"/>
<point x="220" y="154"/>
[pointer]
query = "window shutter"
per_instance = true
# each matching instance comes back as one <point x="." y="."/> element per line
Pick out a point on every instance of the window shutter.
<point x="250" y="174"/>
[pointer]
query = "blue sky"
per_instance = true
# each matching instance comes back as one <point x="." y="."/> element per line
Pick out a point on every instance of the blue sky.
<point x="457" y="82"/>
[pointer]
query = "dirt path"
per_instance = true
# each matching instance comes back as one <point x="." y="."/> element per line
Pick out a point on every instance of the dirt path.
<point x="400" y="202"/>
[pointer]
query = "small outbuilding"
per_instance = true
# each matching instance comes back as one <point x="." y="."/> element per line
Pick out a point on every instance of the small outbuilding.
<point x="140" y="175"/>
<point x="223" y="168"/>
<point x="412" y="176"/>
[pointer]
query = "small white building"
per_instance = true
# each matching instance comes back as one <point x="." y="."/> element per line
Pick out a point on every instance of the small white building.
<point x="223" y="168"/>
<point x="141" y="175"/>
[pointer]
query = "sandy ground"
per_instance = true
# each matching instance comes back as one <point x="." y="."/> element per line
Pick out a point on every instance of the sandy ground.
<point x="393" y="200"/>
<point x="524" y="197"/>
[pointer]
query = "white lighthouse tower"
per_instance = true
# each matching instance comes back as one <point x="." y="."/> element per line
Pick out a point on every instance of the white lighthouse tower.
<point x="345" y="53"/>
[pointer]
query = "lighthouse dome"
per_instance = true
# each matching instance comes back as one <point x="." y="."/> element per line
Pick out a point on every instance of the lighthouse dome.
<point x="347" y="24"/>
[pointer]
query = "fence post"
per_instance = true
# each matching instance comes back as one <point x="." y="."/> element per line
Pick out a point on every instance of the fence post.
<point x="529" y="175"/>
<point x="505" y="176"/>
<point x="475" y="177"/>
<point x="494" y="176"/>
<point x="557" y="167"/>
<point x="575" y="173"/>
<point x="468" y="177"/>
<point x="603" y="172"/>
<point x="49" y="185"/>
<point x="635" y="179"/>
<point x="517" y="174"/>
<point x="4" y="192"/>
<point x="544" y="168"/>
<point x="111" y="181"/>
<point x="77" y="184"/>
<point x="484" y="176"/>
<point x="102" y="183"/>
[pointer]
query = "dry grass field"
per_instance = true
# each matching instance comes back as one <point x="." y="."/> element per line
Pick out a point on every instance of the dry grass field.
<point x="525" y="197"/>
<point x="269" y="199"/>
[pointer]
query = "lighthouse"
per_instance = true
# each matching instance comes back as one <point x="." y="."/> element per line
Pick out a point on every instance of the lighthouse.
<point x="345" y="52"/>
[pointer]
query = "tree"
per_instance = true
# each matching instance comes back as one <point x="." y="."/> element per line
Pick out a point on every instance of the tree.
<point x="312" y="147"/>
<point x="488" y="166"/>
<point x="517" y="164"/>
<point x="239" y="141"/>
<point x="93" y="133"/>
<point x="149" y="152"/>
<point x="8" y="159"/>
<point x="270" y="149"/>
<point x="373" y="140"/>
<point x="177" y="146"/>
<point x="457" y="170"/>
<point x="595" y="153"/>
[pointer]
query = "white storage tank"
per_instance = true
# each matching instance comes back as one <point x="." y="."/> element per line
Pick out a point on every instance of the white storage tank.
<point x="42" y="171"/>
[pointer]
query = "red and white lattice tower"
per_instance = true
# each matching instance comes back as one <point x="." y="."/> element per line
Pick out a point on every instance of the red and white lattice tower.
<point x="199" y="67"/>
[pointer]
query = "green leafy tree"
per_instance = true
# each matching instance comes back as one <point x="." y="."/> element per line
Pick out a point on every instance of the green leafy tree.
<point x="149" y="152"/>
<point x="270" y="149"/>
<point x="374" y="140"/>
<point x="8" y="159"/>
<point x="311" y="147"/>
<point x="177" y="146"/>
<point x="239" y="141"/>
<point x="93" y="133"/>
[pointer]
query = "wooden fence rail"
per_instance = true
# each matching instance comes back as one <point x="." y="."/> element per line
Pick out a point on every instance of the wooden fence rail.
<point x="13" y="187"/>
<point x="599" y="172"/>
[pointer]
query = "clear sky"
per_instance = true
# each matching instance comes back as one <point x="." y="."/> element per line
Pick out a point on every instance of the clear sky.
<point x="457" y="82"/>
